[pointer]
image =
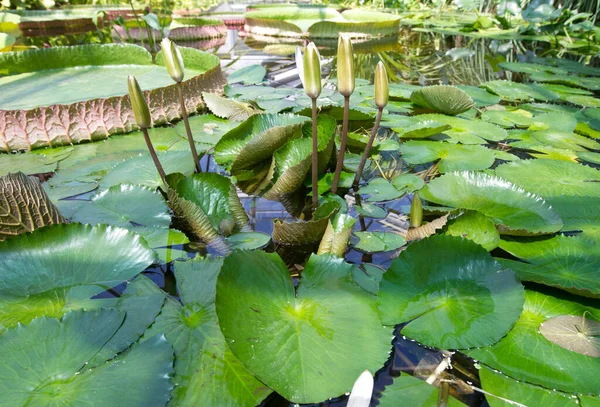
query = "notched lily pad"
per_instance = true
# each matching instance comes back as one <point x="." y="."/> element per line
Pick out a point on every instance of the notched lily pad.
<point x="574" y="332"/>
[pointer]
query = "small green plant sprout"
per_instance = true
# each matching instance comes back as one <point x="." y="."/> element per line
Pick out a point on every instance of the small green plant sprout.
<point x="175" y="67"/>
<point x="345" y="83"/>
<point x="310" y="75"/>
<point x="144" y="120"/>
<point x="416" y="211"/>
<point x="382" y="94"/>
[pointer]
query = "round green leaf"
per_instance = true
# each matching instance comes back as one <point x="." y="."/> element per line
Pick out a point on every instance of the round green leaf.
<point x="502" y="202"/>
<point x="579" y="213"/>
<point x="508" y="118"/>
<point x="248" y="75"/>
<point x="124" y="205"/>
<point x="453" y="293"/>
<point x="475" y="226"/>
<point x="248" y="241"/>
<point x="379" y="190"/>
<point x="373" y="242"/>
<point x="453" y="157"/>
<point x="290" y="340"/>
<point x="410" y="391"/>
<point x="514" y="92"/>
<point x="481" y="97"/>
<point x="526" y="355"/>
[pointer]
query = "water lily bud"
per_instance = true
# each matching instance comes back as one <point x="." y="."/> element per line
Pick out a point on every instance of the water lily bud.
<point x="416" y="211"/>
<point x="382" y="90"/>
<point x="312" y="71"/>
<point x="345" y="66"/>
<point x="138" y="103"/>
<point x="173" y="60"/>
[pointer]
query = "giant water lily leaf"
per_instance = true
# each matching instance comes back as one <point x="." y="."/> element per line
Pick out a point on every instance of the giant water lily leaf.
<point x="24" y="206"/>
<point x="579" y="214"/>
<point x="501" y="201"/>
<point x="79" y="262"/>
<point x="443" y="99"/>
<point x="526" y="355"/>
<point x="410" y="391"/>
<point x="291" y="340"/>
<point x="302" y="232"/>
<point x="227" y="108"/>
<point x="65" y="114"/>
<point x="459" y="298"/>
<point x="125" y="206"/>
<point x="502" y="391"/>
<point x="45" y="363"/>
<point x="453" y="157"/>
<point x="462" y="130"/>
<point x="477" y="227"/>
<point x="141" y="170"/>
<point x="257" y="139"/>
<point x="568" y="178"/>
<point x="569" y="263"/>
<point x="206" y="372"/>
<point x="515" y="92"/>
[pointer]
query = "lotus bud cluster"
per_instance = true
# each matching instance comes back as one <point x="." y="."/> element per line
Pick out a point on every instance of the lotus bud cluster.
<point x="382" y="89"/>
<point x="345" y="66"/>
<point x="173" y="60"/>
<point x="138" y="103"/>
<point x="312" y="71"/>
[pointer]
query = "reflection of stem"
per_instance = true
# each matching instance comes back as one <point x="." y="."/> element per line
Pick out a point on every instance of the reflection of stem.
<point x="315" y="158"/>
<point x="340" y="161"/>
<point x="361" y="218"/>
<point x="159" y="167"/>
<point x="187" y="128"/>
<point x="365" y="156"/>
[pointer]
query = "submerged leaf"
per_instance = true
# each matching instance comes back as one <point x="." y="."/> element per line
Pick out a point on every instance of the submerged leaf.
<point x="24" y="206"/>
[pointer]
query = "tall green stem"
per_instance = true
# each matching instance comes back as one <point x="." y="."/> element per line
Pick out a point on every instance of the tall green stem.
<point x="363" y="160"/>
<point x="188" y="130"/>
<point x="315" y="157"/>
<point x="159" y="167"/>
<point x="344" y="139"/>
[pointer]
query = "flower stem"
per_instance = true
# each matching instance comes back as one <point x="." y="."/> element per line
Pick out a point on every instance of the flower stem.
<point x="315" y="157"/>
<point x="159" y="167"/>
<point x="344" y="139"/>
<point x="363" y="160"/>
<point x="188" y="130"/>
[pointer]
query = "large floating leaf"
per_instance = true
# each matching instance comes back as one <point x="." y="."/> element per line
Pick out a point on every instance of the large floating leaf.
<point x="206" y="372"/>
<point x="508" y="118"/>
<point x="502" y="391"/>
<point x="579" y="213"/>
<point x="248" y="75"/>
<point x="206" y="129"/>
<point x="453" y="293"/>
<point x="475" y="226"/>
<point x="227" y="108"/>
<point x="569" y="263"/>
<point x="566" y="178"/>
<point x="526" y="355"/>
<point x="24" y="206"/>
<point x="44" y="364"/>
<point x="290" y="340"/>
<point x="372" y="242"/>
<point x="515" y="92"/>
<point x="502" y="202"/>
<point x="453" y="157"/>
<point x="443" y="99"/>
<point x="410" y="391"/>
<point x="125" y="206"/>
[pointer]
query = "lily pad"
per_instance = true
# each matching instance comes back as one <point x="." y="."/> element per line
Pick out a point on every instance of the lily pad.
<point x="206" y="129"/>
<point x="227" y="108"/>
<point x="453" y="157"/>
<point x="206" y="372"/>
<point x="248" y="241"/>
<point x="561" y="261"/>
<point x="24" y="206"/>
<point x="443" y="99"/>
<point x="379" y="190"/>
<point x="500" y="201"/>
<point x="526" y="355"/>
<point x="248" y="75"/>
<point x="508" y="118"/>
<point x="460" y="297"/>
<point x="579" y="214"/>
<point x="373" y="242"/>
<point x="125" y="206"/>
<point x="328" y="328"/>
<point x="575" y="333"/>
<point x="410" y="391"/>
<point x="481" y="97"/>
<point x="475" y="226"/>
<point x="568" y="179"/>
<point x="57" y="373"/>
<point x="519" y="92"/>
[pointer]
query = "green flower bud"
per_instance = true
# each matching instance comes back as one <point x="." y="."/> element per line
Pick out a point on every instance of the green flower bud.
<point x="345" y="66"/>
<point x="416" y="211"/>
<point x="138" y="103"/>
<point x="382" y="90"/>
<point x="312" y="71"/>
<point x="173" y="60"/>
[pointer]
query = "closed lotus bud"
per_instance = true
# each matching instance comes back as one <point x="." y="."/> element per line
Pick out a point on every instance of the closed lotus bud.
<point x="312" y="71"/>
<point x="416" y="211"/>
<point x="382" y="90"/>
<point x="173" y="60"/>
<point x="345" y="66"/>
<point x="138" y="103"/>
